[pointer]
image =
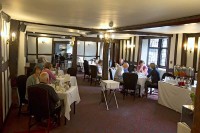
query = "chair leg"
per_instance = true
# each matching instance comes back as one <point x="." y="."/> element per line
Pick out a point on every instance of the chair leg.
<point x="29" y="124"/>
<point x="91" y="81"/>
<point x="48" y="126"/>
<point x="20" y="108"/>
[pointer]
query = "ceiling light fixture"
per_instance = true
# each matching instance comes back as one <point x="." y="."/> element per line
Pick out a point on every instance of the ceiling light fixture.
<point x="107" y="36"/>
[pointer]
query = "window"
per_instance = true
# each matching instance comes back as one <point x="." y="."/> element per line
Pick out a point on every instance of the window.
<point x="157" y="51"/>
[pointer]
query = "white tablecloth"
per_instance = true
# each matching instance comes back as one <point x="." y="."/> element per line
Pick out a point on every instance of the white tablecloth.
<point x="70" y="96"/>
<point x="73" y="80"/>
<point x="109" y="84"/>
<point x="172" y="96"/>
<point x="141" y="81"/>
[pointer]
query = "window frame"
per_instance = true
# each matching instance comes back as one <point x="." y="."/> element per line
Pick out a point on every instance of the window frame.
<point x="159" y="48"/>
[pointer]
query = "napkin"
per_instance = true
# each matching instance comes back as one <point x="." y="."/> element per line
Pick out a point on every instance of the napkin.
<point x="66" y="78"/>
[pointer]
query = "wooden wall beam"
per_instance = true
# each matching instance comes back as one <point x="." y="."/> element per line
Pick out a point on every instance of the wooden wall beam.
<point x="74" y="57"/>
<point x="184" y="52"/>
<point x="13" y="48"/>
<point x="175" y="50"/>
<point x="105" y="61"/>
<point x="195" y="53"/>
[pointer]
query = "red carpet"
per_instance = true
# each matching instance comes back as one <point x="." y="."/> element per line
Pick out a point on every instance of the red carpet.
<point x="142" y="115"/>
<point x="33" y="131"/>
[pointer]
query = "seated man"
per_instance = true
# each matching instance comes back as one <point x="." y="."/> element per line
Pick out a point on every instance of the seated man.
<point x="155" y="77"/>
<point x="54" y="101"/>
<point x="126" y="66"/>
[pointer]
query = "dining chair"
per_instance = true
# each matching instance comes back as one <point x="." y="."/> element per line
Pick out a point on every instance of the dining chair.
<point x="130" y="84"/>
<point x="21" y="85"/>
<point x="39" y="107"/>
<point x="167" y="75"/>
<point x="72" y="71"/>
<point x="86" y="69"/>
<point x="112" y="73"/>
<point x="94" y="74"/>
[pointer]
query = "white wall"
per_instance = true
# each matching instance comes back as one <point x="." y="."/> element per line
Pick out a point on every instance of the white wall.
<point x="21" y="55"/>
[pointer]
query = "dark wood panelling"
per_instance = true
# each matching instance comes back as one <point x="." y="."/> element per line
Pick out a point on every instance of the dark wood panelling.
<point x="184" y="52"/>
<point x="195" y="53"/>
<point x="139" y="49"/>
<point x="36" y="47"/>
<point x="175" y="50"/>
<point x="122" y="45"/>
<point x="74" y="57"/>
<point x="168" y="53"/>
<point x="13" y="48"/>
<point x="105" y="61"/>
<point x="97" y="50"/>
<point x="117" y="51"/>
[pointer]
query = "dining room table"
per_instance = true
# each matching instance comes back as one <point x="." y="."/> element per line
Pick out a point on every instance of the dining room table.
<point x="173" y="96"/>
<point x="69" y="94"/>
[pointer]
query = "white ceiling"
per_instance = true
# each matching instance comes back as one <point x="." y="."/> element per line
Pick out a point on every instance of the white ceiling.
<point x="98" y="13"/>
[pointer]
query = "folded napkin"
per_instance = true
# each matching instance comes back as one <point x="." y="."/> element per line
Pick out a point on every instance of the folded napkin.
<point x="66" y="78"/>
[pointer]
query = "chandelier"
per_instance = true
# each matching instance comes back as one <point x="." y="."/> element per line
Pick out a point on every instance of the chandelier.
<point x="107" y="37"/>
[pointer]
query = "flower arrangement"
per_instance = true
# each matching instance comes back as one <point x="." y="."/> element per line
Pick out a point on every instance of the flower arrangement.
<point x="192" y="96"/>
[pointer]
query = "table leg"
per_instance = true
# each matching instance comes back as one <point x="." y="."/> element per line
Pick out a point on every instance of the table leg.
<point x="115" y="99"/>
<point x="74" y="107"/>
<point x="105" y="100"/>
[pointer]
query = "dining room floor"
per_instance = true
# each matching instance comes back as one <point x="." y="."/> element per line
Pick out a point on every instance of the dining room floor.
<point x="142" y="115"/>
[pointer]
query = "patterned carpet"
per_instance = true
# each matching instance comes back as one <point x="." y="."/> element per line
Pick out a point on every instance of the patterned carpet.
<point x="142" y="115"/>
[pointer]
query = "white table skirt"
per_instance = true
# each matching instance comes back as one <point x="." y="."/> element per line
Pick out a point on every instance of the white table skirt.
<point x="141" y="81"/>
<point x="69" y="97"/>
<point x="172" y="96"/>
<point x="109" y="85"/>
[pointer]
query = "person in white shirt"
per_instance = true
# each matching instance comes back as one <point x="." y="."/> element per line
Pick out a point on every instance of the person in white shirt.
<point x="119" y="72"/>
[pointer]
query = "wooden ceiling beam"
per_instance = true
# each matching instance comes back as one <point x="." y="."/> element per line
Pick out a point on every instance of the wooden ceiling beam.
<point x="144" y="33"/>
<point x="172" y="22"/>
<point x="64" y="26"/>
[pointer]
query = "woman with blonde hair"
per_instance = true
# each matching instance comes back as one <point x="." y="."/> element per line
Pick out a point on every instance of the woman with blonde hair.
<point x="154" y="78"/>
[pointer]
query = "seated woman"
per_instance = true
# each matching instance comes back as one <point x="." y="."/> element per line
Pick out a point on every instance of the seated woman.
<point x="33" y="79"/>
<point x="126" y="66"/>
<point x="142" y="68"/>
<point x="119" y="72"/>
<point x="47" y="68"/>
<point x="155" y="77"/>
